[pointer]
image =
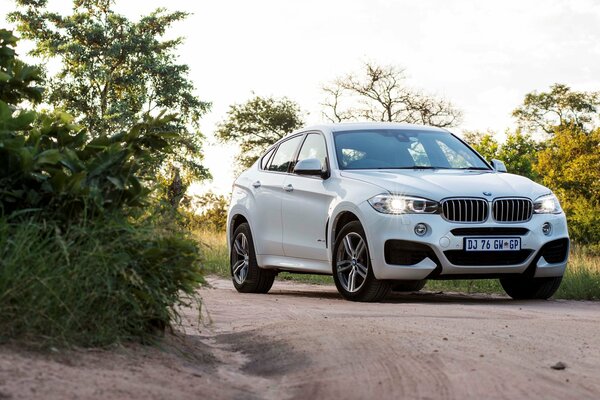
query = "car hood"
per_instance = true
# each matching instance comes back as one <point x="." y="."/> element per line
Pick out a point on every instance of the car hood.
<point x="439" y="184"/>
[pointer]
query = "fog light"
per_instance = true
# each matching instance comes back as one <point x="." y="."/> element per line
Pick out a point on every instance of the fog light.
<point x="547" y="228"/>
<point x="420" y="229"/>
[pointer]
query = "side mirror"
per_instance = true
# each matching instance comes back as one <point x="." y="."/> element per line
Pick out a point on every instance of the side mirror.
<point x="498" y="165"/>
<point x="309" y="166"/>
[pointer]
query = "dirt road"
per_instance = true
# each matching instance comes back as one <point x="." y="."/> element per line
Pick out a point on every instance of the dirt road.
<point x="305" y="342"/>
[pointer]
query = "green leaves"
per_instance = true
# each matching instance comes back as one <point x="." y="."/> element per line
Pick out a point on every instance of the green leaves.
<point x="49" y="164"/>
<point x="258" y="123"/>
<point x="557" y="108"/>
<point x="115" y="72"/>
<point x="17" y="79"/>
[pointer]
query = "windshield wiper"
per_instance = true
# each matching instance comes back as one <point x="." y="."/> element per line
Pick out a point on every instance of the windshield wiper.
<point x="475" y="168"/>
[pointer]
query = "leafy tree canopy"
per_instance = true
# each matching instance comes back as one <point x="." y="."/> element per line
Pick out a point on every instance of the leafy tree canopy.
<point x="569" y="166"/>
<point x="18" y="81"/>
<point x="519" y="151"/>
<point x="257" y="124"/>
<point x="561" y="106"/>
<point x="114" y="72"/>
<point x="380" y="93"/>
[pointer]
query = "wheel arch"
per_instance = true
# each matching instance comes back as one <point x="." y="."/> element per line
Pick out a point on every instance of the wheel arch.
<point x="237" y="217"/>
<point x="342" y="216"/>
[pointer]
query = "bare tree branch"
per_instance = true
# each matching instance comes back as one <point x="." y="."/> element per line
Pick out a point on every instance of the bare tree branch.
<point x="379" y="93"/>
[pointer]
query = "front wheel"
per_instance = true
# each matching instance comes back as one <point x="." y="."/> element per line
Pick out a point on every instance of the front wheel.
<point x="522" y="288"/>
<point x="352" y="272"/>
<point x="247" y="276"/>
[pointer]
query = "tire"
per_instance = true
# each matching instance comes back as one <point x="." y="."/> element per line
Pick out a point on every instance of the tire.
<point x="352" y="273"/>
<point x="530" y="288"/>
<point x="246" y="275"/>
<point x="408" y="286"/>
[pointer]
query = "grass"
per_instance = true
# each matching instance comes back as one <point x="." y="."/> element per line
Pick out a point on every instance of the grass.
<point x="94" y="284"/>
<point x="581" y="281"/>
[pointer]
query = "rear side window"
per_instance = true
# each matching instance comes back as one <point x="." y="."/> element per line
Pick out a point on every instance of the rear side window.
<point x="265" y="159"/>
<point x="284" y="156"/>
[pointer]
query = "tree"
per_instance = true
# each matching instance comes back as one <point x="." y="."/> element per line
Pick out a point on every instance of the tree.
<point x="18" y="81"/>
<point x="559" y="107"/>
<point x="257" y="124"/>
<point x="115" y="72"/>
<point x="381" y="94"/>
<point x="214" y="211"/>
<point x="483" y="142"/>
<point x="53" y="168"/>
<point x="519" y="151"/>
<point x="569" y="166"/>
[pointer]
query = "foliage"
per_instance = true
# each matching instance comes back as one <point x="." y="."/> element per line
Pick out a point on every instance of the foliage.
<point x="49" y="165"/>
<point x="483" y="142"/>
<point x="17" y="79"/>
<point x="213" y="212"/>
<point x="380" y="93"/>
<point x="78" y="263"/>
<point x="561" y="106"/>
<point x="94" y="284"/>
<point x="115" y="72"/>
<point x="519" y="151"/>
<point x="568" y="166"/>
<point x="257" y="124"/>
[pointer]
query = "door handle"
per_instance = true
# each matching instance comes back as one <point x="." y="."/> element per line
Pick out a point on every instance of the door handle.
<point x="288" y="188"/>
<point x="256" y="184"/>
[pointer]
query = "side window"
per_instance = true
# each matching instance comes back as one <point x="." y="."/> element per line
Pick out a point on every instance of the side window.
<point x="265" y="159"/>
<point x="314" y="147"/>
<point x="284" y="155"/>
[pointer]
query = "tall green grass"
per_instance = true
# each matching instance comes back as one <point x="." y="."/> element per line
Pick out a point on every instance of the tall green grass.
<point x="94" y="284"/>
<point x="581" y="281"/>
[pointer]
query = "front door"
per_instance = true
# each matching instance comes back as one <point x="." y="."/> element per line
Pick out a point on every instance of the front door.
<point x="305" y="206"/>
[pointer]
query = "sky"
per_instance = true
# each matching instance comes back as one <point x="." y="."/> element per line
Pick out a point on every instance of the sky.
<point x="483" y="56"/>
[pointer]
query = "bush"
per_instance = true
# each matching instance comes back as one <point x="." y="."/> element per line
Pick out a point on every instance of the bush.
<point x="92" y="285"/>
<point x="78" y="263"/>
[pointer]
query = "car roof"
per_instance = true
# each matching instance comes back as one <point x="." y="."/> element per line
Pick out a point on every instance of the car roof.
<point x="351" y="126"/>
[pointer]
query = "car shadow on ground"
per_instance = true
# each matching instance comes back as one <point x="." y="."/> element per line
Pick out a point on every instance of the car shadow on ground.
<point x="413" y="297"/>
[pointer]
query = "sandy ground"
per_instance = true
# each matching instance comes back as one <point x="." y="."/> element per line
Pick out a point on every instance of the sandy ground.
<point x="305" y="342"/>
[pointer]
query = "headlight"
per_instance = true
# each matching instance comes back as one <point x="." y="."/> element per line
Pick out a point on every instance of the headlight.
<point x="392" y="204"/>
<point x="546" y="204"/>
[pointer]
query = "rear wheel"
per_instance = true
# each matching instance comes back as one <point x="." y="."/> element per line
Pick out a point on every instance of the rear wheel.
<point x="247" y="276"/>
<point x="530" y="288"/>
<point x="352" y="272"/>
<point x="408" y="286"/>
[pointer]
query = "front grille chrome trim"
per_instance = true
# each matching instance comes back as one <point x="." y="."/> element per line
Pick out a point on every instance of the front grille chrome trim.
<point x="512" y="209"/>
<point x="467" y="210"/>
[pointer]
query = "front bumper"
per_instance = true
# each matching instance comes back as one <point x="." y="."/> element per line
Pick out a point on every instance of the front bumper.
<point x="440" y="251"/>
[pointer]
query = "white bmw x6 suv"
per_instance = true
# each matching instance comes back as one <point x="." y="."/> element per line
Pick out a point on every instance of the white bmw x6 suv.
<point x="384" y="206"/>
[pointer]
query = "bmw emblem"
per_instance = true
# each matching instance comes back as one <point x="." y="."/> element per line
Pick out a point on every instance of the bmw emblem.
<point x="487" y="193"/>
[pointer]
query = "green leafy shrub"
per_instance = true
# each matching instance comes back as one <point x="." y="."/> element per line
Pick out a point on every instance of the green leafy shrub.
<point x="83" y="258"/>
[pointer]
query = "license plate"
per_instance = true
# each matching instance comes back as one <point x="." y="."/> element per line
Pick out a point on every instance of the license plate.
<point x="492" y="244"/>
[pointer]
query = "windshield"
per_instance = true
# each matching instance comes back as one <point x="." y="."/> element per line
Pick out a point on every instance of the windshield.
<point x="404" y="149"/>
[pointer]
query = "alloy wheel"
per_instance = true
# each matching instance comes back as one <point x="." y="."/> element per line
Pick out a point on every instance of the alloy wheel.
<point x="241" y="258"/>
<point x="352" y="262"/>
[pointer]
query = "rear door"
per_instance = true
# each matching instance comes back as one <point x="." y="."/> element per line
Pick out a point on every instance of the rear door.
<point x="268" y="190"/>
<point x="305" y="205"/>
